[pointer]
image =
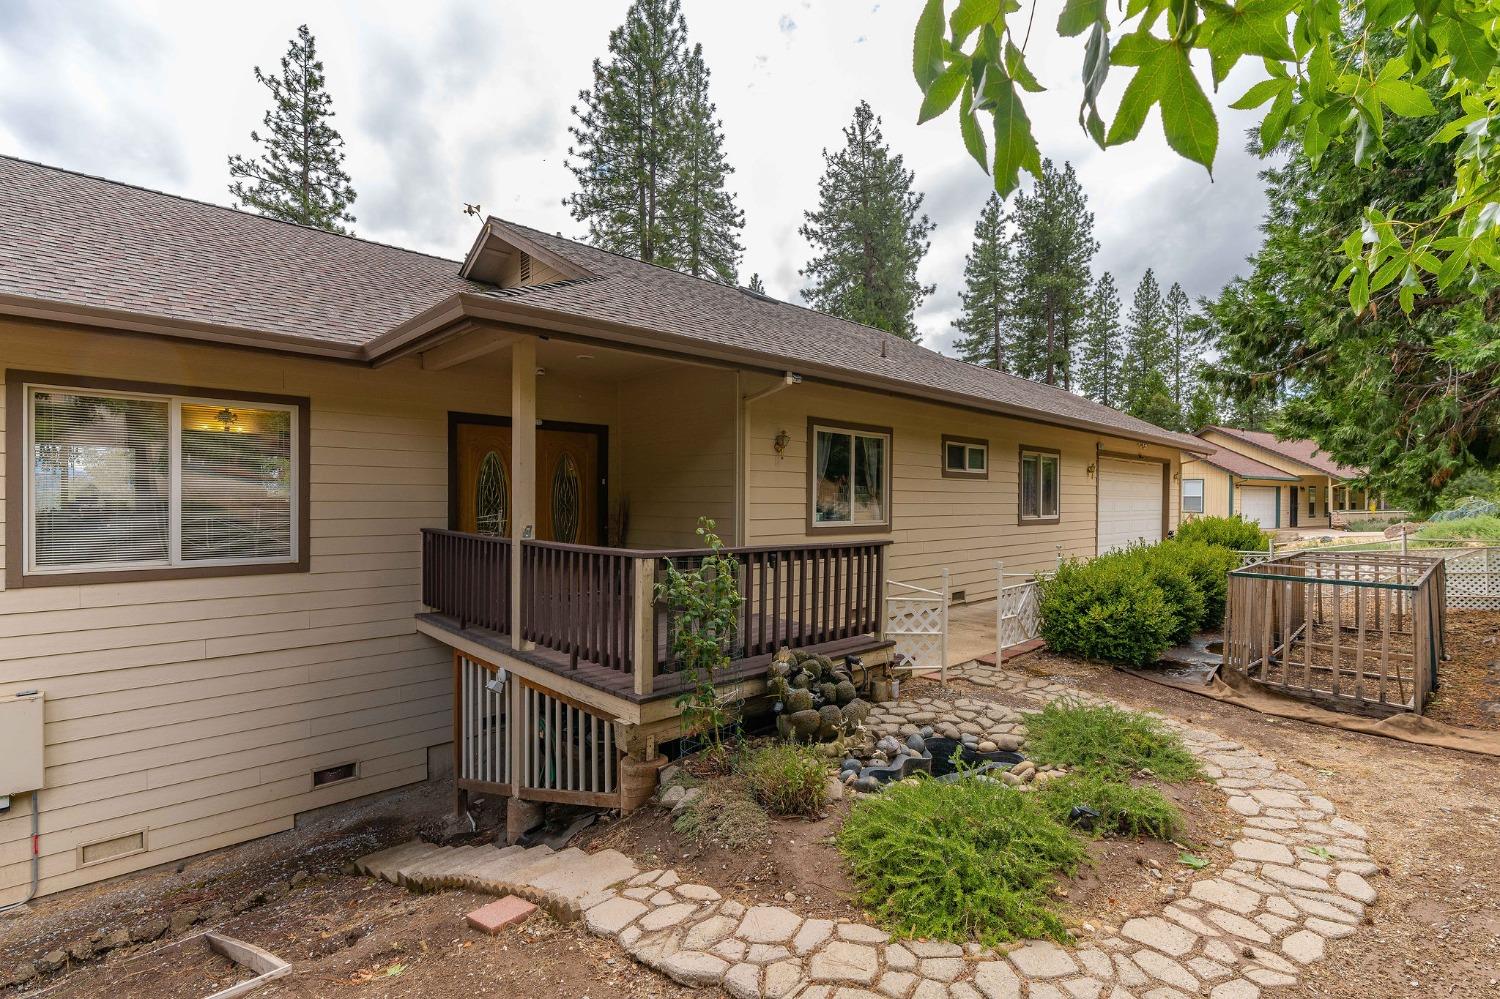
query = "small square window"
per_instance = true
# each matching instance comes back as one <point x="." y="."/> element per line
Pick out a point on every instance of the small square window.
<point x="965" y="458"/>
<point x="1192" y="495"/>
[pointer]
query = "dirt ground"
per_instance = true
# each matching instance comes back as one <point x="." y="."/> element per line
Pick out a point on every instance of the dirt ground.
<point x="1433" y="816"/>
<point x="1469" y="681"/>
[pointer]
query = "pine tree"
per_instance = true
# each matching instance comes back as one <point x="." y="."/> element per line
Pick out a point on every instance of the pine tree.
<point x="987" y="294"/>
<point x="1146" y="348"/>
<point x="867" y="234"/>
<point x="1099" y="361"/>
<point x="1150" y="399"/>
<point x="648" y="151"/>
<point x="1054" y="243"/>
<point x="299" y="175"/>
<point x="1202" y="409"/>
<point x="1182" y="345"/>
<point x="703" y="220"/>
<point x="756" y="284"/>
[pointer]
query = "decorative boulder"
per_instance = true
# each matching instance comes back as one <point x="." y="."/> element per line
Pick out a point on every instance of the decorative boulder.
<point x="844" y="692"/>
<point x="799" y="700"/>
<point x="803" y="680"/>
<point x="832" y="721"/>
<point x="829" y="692"/>
<point x="799" y="726"/>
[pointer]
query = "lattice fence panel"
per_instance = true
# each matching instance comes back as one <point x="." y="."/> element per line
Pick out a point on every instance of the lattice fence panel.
<point x="1474" y="579"/>
<point x="917" y="621"/>
<point x="1020" y="617"/>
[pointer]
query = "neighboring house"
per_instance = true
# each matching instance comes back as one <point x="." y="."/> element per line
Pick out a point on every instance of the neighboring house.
<point x="293" y="517"/>
<point x="1279" y="484"/>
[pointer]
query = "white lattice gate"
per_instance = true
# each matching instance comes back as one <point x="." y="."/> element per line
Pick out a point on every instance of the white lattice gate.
<point x="1018" y="616"/>
<point x="917" y="621"/>
<point x="1474" y="579"/>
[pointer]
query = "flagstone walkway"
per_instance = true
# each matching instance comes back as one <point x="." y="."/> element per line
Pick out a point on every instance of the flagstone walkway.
<point x="1299" y="880"/>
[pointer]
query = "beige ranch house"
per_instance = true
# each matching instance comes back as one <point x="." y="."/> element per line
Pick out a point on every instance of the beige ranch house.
<point x="292" y="517"/>
<point x="1278" y="484"/>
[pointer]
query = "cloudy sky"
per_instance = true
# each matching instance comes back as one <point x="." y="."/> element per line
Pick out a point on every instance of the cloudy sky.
<point x="443" y="103"/>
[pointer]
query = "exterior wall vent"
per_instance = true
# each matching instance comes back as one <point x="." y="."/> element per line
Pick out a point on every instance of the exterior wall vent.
<point x="525" y="277"/>
<point x="112" y="849"/>
<point x="332" y="775"/>
<point x="958" y="596"/>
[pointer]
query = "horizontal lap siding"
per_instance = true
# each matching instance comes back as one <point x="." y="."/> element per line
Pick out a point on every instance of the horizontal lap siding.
<point x="197" y="709"/>
<point x="963" y="525"/>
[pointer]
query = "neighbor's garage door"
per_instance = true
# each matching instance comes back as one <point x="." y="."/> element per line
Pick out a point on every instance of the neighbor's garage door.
<point x="1257" y="504"/>
<point x="1130" y="498"/>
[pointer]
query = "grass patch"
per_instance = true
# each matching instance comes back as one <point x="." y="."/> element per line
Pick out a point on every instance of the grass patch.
<point x="1107" y="741"/>
<point x="785" y="778"/>
<point x="1124" y="809"/>
<point x="724" y="814"/>
<point x="1485" y="528"/>
<point x="959" y="860"/>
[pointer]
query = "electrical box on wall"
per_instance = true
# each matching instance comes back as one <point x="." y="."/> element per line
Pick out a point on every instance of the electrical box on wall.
<point x="20" y="742"/>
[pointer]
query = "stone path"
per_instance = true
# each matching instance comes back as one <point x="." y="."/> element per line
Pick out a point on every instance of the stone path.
<point x="1298" y="881"/>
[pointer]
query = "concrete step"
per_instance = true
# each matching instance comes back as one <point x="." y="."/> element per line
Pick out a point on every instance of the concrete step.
<point x="544" y="864"/>
<point x="452" y="860"/>
<point x="500" y="866"/>
<point x="580" y="878"/>
<point x="386" y="863"/>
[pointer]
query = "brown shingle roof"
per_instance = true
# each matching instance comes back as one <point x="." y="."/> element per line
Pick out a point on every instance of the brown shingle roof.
<point x="627" y="291"/>
<point x="1303" y="452"/>
<point x="1244" y="466"/>
<point x="70" y="238"/>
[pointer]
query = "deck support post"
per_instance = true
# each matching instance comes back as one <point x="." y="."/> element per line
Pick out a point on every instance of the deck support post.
<point x="523" y="474"/>
<point x="643" y="646"/>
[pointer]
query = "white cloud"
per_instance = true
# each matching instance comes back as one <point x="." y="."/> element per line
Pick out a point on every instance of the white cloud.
<point x="453" y="102"/>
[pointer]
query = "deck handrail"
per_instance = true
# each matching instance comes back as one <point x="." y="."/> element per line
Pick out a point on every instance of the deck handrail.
<point x="467" y="576"/>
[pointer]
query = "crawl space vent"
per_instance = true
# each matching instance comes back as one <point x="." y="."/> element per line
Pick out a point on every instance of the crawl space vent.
<point x="332" y="775"/>
<point x="110" y="849"/>
<point x="958" y="597"/>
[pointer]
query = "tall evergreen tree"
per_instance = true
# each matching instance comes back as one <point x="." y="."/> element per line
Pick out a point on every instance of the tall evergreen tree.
<point x="1054" y="244"/>
<point x="868" y="235"/>
<point x="648" y="151"/>
<point x="299" y="174"/>
<point x="1099" y="360"/>
<point x="1145" y="335"/>
<point x="1202" y="409"/>
<point x="756" y="284"/>
<point x="626" y="140"/>
<point x="1182" y="345"/>
<point x="987" y="293"/>
<point x="703" y="219"/>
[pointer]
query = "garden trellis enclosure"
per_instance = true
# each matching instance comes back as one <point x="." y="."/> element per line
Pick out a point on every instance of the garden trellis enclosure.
<point x="1354" y="631"/>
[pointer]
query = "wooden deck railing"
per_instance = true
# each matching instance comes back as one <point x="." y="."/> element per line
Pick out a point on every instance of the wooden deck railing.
<point x="597" y="606"/>
<point x="467" y="576"/>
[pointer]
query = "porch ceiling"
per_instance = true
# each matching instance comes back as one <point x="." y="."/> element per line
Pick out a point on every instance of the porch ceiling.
<point x="585" y="362"/>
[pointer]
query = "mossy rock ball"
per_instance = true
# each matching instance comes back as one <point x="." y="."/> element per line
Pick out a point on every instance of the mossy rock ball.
<point x="801" y="726"/>
<point x="829" y="692"/>
<point x="831" y="720"/>
<point x="798" y="700"/>
<point x="803" y="680"/>
<point x="844" y="692"/>
<point x="855" y="713"/>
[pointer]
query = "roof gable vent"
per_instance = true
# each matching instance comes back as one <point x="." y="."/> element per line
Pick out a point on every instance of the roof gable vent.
<point x="524" y="276"/>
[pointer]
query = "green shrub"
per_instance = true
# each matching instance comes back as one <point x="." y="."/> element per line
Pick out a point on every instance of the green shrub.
<point x="959" y="860"/>
<point x="1185" y="600"/>
<point x="786" y="778"/>
<point x="1486" y="529"/>
<point x="1124" y="809"/>
<point x="1234" y="533"/>
<point x="1106" y="609"/>
<point x="1108" y="741"/>
<point x="1208" y="566"/>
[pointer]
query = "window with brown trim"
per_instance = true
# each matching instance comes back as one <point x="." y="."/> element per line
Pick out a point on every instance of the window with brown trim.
<point x="849" y="477"/>
<point x="119" y="479"/>
<point x="1040" y="486"/>
<point x="966" y="458"/>
<point x="1192" y="495"/>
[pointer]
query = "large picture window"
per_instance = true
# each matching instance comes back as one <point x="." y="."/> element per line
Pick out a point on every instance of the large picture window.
<point x="850" y="477"/>
<point x="119" y="480"/>
<point x="1192" y="496"/>
<point x="1041" y="484"/>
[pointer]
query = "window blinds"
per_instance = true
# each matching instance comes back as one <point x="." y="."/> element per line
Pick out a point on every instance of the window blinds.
<point x="236" y="483"/>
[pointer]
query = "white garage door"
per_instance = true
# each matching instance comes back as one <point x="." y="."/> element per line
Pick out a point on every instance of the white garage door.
<point x="1130" y="498"/>
<point x="1257" y="504"/>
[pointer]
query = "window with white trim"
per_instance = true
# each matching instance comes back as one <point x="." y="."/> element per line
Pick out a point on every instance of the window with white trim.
<point x="963" y="457"/>
<point x="1041" y="483"/>
<point x="850" y="479"/>
<point x="126" y="480"/>
<point x="1192" y="495"/>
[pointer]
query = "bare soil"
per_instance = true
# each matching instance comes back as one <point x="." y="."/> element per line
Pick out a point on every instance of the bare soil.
<point x="1469" y="680"/>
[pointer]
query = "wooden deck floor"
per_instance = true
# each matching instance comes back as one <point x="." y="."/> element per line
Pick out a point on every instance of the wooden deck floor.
<point x="621" y="684"/>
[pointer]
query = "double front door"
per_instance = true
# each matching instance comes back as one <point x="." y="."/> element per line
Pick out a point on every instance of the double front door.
<point x="568" y="481"/>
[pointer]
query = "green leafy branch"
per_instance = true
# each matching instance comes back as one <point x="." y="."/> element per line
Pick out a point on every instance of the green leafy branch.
<point x="703" y="604"/>
<point x="1322" y="78"/>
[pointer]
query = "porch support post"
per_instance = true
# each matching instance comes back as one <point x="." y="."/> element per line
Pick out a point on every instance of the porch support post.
<point x="643" y="632"/>
<point x="522" y="472"/>
<point x="1328" y="510"/>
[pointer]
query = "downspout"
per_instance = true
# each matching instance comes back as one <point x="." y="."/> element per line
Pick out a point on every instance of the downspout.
<point x="742" y="494"/>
